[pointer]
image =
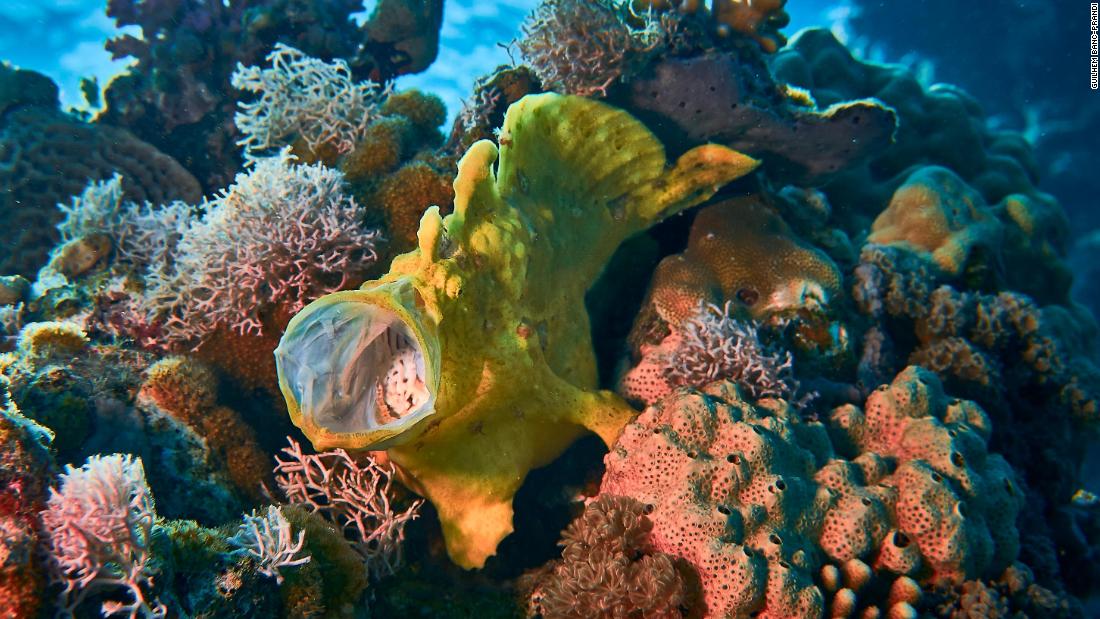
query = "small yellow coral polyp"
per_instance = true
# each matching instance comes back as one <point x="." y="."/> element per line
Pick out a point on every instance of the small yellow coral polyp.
<point x="471" y="361"/>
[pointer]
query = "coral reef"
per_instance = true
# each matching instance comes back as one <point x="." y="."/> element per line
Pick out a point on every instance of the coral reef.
<point x="98" y="527"/>
<point x="955" y="505"/>
<point x="853" y="589"/>
<point x="334" y="580"/>
<point x="935" y="212"/>
<point x="484" y="111"/>
<point x="238" y="260"/>
<point x="709" y="345"/>
<point x="760" y="20"/>
<point x="25" y="465"/>
<point x="515" y="282"/>
<point x="732" y="494"/>
<point x="269" y="540"/>
<point x="741" y="255"/>
<point x="941" y="125"/>
<point x="13" y="289"/>
<point x="788" y="255"/>
<point x="1032" y="368"/>
<point x="694" y="84"/>
<point x="225" y="282"/>
<point x="90" y="397"/>
<point x="187" y="391"/>
<point x="406" y="194"/>
<point x="178" y="94"/>
<point x="1013" y="594"/>
<point x="303" y="97"/>
<point x="1017" y="244"/>
<point x="47" y="156"/>
<point x="731" y="99"/>
<point x="607" y="568"/>
<point x="742" y="250"/>
<point x="580" y="47"/>
<point x="917" y="494"/>
<point x="354" y="496"/>
<point x="1052" y="118"/>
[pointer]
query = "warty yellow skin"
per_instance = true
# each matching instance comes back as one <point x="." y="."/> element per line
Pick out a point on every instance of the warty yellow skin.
<point x="494" y="295"/>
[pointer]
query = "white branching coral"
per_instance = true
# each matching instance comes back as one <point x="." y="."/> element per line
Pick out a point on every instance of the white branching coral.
<point x="581" y="47"/>
<point x="280" y="236"/>
<point x="141" y="234"/>
<point x="97" y="528"/>
<point x="268" y="538"/>
<point x="98" y="209"/>
<point x="353" y="495"/>
<point x="714" y="345"/>
<point x="301" y="96"/>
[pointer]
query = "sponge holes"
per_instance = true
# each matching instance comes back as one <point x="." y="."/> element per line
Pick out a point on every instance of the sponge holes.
<point x="957" y="459"/>
<point x="900" y="540"/>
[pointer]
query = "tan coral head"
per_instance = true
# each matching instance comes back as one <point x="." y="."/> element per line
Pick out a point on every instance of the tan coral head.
<point x="358" y="369"/>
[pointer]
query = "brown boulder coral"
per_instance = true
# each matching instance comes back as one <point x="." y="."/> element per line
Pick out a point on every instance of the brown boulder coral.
<point x="742" y="250"/>
<point x="48" y="156"/>
<point x="937" y="213"/>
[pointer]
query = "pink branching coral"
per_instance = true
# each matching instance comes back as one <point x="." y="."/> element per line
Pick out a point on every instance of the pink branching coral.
<point x="709" y="346"/>
<point x="582" y="47"/>
<point x="305" y="97"/>
<point x="717" y="345"/>
<point x="267" y="538"/>
<point x="353" y="495"/>
<point x="280" y="237"/>
<point x="98" y="528"/>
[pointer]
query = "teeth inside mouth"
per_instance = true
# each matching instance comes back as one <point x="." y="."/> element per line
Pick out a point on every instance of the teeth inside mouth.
<point x="354" y="367"/>
<point x="401" y="390"/>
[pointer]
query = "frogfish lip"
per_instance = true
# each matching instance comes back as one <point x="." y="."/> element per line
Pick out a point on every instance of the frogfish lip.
<point x="359" y="369"/>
